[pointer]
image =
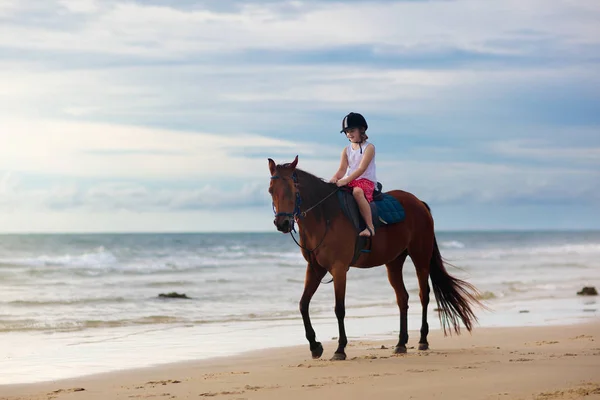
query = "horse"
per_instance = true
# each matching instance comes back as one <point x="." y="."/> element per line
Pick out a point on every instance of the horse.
<point x="327" y="240"/>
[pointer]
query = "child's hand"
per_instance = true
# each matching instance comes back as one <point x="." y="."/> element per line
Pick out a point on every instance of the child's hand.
<point x="333" y="180"/>
<point x="342" y="182"/>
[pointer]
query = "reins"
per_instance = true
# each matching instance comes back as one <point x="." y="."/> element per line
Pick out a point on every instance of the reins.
<point x="297" y="214"/>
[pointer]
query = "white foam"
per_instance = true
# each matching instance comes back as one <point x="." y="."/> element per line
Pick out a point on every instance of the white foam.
<point x="566" y="250"/>
<point x="452" y="244"/>
<point x="100" y="257"/>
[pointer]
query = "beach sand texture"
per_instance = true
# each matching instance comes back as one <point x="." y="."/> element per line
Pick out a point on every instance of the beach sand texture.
<point x="556" y="362"/>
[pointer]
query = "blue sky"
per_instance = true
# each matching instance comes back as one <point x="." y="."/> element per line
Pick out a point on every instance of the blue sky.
<point x="146" y="116"/>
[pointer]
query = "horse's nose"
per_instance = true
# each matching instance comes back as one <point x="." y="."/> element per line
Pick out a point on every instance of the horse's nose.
<point x="283" y="226"/>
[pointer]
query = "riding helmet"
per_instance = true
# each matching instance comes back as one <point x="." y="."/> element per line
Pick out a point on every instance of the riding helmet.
<point x="353" y="120"/>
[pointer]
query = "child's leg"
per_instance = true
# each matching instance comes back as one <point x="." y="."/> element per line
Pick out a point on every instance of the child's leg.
<point x="365" y="211"/>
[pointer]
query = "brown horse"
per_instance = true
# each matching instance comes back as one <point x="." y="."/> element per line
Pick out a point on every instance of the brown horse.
<point x="327" y="240"/>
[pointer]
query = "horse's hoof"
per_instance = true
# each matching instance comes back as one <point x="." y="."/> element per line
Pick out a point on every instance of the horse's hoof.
<point x="338" y="357"/>
<point x="400" y="350"/>
<point x="317" y="352"/>
<point x="423" y="346"/>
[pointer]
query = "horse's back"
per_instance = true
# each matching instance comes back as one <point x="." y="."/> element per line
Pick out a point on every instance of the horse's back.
<point x="415" y="209"/>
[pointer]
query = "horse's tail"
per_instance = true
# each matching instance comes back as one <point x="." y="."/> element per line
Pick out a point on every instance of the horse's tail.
<point x="454" y="297"/>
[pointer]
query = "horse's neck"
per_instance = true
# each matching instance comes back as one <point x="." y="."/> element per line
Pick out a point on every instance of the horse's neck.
<point x="310" y="224"/>
<point x="312" y="230"/>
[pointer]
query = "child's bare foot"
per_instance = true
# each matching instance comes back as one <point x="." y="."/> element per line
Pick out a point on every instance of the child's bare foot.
<point x="369" y="232"/>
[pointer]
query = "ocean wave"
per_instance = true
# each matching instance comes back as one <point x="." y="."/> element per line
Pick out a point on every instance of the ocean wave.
<point x="565" y="250"/>
<point x="68" y="302"/>
<point x="169" y="284"/>
<point x="29" y="325"/>
<point x="65" y="325"/>
<point x="487" y="295"/>
<point x="219" y="280"/>
<point x="189" y="283"/>
<point x="98" y="257"/>
<point x="391" y="303"/>
<point x="452" y="244"/>
<point x="42" y="269"/>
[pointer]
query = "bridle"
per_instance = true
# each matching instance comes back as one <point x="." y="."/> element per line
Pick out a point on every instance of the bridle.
<point x="299" y="214"/>
<point x="296" y="213"/>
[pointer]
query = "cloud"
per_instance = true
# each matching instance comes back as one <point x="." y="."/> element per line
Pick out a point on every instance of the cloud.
<point x="539" y="150"/>
<point x="163" y="109"/>
<point x="272" y="68"/>
<point x="129" y="196"/>
<point x="80" y="6"/>
<point x="468" y="183"/>
<point x="158" y="30"/>
<point x="109" y="151"/>
<point x="286" y="100"/>
<point x="436" y="183"/>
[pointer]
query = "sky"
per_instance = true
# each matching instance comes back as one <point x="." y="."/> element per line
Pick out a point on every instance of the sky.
<point x="133" y="116"/>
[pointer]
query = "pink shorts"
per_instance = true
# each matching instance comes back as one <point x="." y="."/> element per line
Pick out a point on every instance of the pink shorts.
<point x="366" y="185"/>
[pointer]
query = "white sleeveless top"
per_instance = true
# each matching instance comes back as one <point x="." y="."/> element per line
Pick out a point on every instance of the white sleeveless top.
<point x="354" y="159"/>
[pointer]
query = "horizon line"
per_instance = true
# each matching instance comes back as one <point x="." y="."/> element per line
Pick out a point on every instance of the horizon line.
<point x="207" y="232"/>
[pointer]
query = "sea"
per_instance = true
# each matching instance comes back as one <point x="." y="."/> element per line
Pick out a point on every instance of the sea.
<point x="78" y="304"/>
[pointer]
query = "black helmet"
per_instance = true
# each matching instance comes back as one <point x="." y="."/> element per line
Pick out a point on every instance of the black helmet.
<point x="353" y="120"/>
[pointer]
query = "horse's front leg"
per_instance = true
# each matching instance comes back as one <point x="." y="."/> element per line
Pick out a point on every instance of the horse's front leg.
<point x="314" y="274"/>
<point x="339" y="286"/>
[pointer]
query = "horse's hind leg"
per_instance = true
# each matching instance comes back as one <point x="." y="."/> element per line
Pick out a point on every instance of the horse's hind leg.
<point x="421" y="259"/>
<point x="394" y="270"/>
<point x="314" y="274"/>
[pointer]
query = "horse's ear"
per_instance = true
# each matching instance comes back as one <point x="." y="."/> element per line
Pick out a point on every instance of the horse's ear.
<point x="272" y="167"/>
<point x="294" y="163"/>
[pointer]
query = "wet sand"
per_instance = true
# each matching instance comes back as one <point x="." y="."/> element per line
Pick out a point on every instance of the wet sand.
<point x="555" y="362"/>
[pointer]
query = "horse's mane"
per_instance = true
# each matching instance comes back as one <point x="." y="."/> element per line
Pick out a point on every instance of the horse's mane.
<point x="313" y="190"/>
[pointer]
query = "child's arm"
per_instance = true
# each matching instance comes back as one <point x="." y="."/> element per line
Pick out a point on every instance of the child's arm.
<point x="368" y="154"/>
<point x="342" y="169"/>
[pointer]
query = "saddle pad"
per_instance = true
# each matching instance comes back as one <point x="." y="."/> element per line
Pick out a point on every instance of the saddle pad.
<point x="385" y="210"/>
<point x="389" y="210"/>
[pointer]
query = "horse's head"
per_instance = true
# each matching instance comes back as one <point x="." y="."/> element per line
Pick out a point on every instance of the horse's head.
<point x="284" y="192"/>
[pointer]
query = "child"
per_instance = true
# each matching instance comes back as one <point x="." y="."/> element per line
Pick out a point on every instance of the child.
<point x="357" y="167"/>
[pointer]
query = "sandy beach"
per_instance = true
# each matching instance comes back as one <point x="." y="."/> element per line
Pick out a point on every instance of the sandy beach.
<point x="557" y="362"/>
